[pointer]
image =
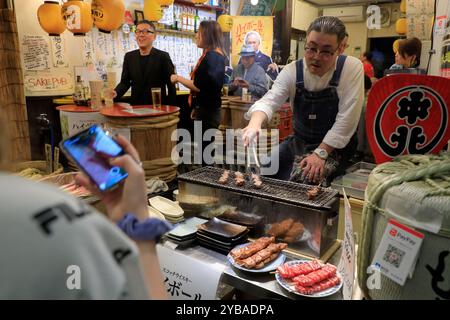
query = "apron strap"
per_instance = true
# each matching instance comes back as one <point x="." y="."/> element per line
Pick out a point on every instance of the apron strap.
<point x="299" y="76"/>
<point x="337" y="73"/>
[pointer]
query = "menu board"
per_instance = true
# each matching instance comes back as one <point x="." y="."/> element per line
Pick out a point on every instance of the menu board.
<point x="36" y="52"/>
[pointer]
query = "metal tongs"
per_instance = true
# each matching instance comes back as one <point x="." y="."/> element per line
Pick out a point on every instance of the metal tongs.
<point x="249" y="168"/>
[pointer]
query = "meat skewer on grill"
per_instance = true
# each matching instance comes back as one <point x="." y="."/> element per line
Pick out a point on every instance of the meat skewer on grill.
<point x="256" y="180"/>
<point x="323" y="285"/>
<point x="290" y="271"/>
<point x="224" y="177"/>
<point x="313" y="192"/>
<point x="316" y="276"/>
<point x="239" y="179"/>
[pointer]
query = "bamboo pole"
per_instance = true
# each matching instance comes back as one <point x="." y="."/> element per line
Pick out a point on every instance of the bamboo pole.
<point x="12" y="97"/>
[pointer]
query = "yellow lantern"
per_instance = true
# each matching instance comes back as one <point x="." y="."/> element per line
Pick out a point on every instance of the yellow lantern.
<point x="395" y="45"/>
<point x="108" y="14"/>
<point x="78" y="17"/>
<point x="164" y="3"/>
<point x="403" y="6"/>
<point x="400" y="26"/>
<point x="226" y="22"/>
<point x="152" y="10"/>
<point x="199" y="2"/>
<point x="50" y="18"/>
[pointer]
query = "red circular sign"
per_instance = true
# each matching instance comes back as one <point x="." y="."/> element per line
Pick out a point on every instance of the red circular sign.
<point x="408" y="114"/>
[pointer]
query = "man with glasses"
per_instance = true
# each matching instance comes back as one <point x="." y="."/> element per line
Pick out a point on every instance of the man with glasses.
<point x="146" y="68"/>
<point x="326" y="91"/>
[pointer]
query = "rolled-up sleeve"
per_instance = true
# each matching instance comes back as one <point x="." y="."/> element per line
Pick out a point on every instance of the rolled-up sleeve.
<point x="351" y="98"/>
<point x="283" y="88"/>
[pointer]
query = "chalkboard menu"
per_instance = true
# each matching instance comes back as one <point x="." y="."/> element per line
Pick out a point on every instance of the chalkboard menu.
<point x="263" y="8"/>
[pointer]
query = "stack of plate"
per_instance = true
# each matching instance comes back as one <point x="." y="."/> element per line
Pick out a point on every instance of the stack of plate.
<point x="252" y="221"/>
<point x="185" y="232"/>
<point x="220" y="235"/>
<point x="171" y="211"/>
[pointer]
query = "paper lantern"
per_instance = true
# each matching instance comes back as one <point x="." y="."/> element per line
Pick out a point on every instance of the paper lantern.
<point x="50" y="18"/>
<point x="108" y="14"/>
<point x="226" y="22"/>
<point x="403" y="6"/>
<point x="152" y="10"/>
<point x="78" y="17"/>
<point x="400" y="26"/>
<point x="395" y="45"/>
<point x="164" y="3"/>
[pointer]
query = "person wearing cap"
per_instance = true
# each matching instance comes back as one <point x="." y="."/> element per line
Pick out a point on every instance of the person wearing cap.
<point x="253" y="38"/>
<point x="248" y="75"/>
<point x="326" y="92"/>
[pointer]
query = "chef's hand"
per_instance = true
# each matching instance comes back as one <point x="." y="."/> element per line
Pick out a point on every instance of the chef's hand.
<point x="244" y="84"/>
<point x="251" y="132"/>
<point x="312" y="168"/>
<point x="127" y="197"/>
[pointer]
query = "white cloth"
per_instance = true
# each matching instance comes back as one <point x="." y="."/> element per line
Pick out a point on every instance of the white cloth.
<point x="350" y="92"/>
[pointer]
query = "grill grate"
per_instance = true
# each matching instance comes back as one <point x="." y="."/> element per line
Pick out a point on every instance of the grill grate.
<point x="273" y="189"/>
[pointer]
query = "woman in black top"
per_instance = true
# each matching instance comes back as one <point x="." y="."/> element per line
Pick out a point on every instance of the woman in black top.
<point x="207" y="77"/>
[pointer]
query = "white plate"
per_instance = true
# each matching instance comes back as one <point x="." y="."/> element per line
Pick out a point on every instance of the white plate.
<point x="153" y="213"/>
<point x="290" y="285"/>
<point x="166" y="207"/>
<point x="269" y="267"/>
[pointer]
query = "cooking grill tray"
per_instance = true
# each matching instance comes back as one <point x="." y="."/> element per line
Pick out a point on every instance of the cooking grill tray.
<point x="273" y="189"/>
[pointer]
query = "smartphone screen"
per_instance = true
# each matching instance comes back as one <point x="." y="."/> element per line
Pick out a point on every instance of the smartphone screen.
<point x="91" y="149"/>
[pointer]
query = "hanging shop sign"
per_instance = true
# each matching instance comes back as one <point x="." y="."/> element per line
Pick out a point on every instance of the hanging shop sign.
<point x="408" y="114"/>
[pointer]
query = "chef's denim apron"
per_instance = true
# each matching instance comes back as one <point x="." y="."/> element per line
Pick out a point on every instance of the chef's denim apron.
<point x="314" y="114"/>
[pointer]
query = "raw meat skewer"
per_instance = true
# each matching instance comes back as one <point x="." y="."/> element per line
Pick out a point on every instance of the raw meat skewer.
<point x="316" y="276"/>
<point x="323" y="285"/>
<point x="286" y="271"/>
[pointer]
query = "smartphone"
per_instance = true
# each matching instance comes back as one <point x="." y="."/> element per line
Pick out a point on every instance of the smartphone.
<point x="91" y="150"/>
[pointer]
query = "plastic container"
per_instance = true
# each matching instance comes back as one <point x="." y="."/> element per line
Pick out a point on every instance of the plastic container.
<point x="354" y="185"/>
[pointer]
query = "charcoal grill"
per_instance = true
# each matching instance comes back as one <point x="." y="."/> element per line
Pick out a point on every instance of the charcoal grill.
<point x="272" y="189"/>
<point x="276" y="202"/>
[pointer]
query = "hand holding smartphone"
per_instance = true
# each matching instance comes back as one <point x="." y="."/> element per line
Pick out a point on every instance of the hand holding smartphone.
<point x="92" y="149"/>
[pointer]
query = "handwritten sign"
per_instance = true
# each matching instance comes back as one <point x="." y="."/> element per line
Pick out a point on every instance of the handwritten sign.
<point x="48" y="81"/>
<point x="242" y="25"/>
<point x="58" y="52"/>
<point x="35" y="52"/>
<point x="419" y="17"/>
<point x="346" y="265"/>
<point x="187" y="278"/>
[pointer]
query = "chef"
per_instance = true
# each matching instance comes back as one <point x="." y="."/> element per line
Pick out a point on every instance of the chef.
<point x="326" y="92"/>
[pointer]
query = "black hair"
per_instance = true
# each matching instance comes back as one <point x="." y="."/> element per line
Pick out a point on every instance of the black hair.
<point x="151" y="24"/>
<point x="368" y="56"/>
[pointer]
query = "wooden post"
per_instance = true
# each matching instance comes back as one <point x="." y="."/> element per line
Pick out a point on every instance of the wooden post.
<point x="12" y="97"/>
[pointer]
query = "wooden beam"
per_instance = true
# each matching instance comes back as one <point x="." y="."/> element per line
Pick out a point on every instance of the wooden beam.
<point x="3" y="4"/>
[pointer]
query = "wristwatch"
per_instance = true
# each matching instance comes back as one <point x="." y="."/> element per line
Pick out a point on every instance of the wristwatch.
<point x="322" y="153"/>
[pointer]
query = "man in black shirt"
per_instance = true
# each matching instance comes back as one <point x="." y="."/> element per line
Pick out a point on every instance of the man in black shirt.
<point x="146" y="68"/>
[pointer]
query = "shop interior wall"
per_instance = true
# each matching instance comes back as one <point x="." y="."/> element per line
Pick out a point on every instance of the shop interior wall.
<point x="27" y="23"/>
<point x="442" y="9"/>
